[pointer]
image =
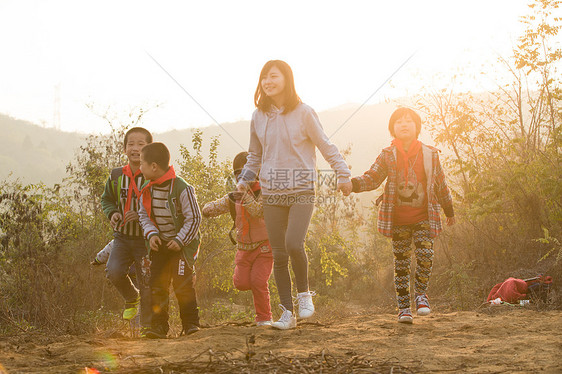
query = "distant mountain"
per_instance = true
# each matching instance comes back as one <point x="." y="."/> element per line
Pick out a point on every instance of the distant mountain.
<point x="34" y="153"/>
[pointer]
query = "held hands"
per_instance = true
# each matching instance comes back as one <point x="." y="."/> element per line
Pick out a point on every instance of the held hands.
<point x="241" y="187"/>
<point x="241" y="193"/>
<point x="345" y="188"/>
<point x="451" y="221"/>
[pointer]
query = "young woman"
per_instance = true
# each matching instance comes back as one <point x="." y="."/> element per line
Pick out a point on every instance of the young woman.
<point x="284" y="136"/>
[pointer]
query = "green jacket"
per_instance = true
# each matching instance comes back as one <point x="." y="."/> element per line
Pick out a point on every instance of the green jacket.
<point x="114" y="198"/>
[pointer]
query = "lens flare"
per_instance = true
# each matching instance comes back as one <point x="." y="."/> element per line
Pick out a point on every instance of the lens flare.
<point x="107" y="361"/>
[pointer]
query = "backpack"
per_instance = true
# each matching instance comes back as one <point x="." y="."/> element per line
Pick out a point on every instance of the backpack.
<point x="232" y="208"/>
<point x="539" y="287"/>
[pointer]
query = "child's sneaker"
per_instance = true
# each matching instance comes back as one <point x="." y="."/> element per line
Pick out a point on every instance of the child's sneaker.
<point x="405" y="316"/>
<point x="422" y="305"/>
<point x="131" y="309"/>
<point x="306" y="307"/>
<point x="286" y="321"/>
<point x="264" y="323"/>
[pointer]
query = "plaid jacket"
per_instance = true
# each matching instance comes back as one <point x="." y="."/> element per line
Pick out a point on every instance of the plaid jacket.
<point x="438" y="194"/>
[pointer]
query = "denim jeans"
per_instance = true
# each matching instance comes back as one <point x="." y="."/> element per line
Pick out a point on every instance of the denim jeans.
<point x="126" y="251"/>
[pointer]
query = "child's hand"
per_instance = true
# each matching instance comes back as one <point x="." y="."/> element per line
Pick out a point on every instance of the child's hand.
<point x="173" y="246"/>
<point x="131" y="215"/>
<point x="115" y="218"/>
<point x="450" y="221"/>
<point x="205" y="211"/>
<point x="95" y="262"/>
<point x="345" y="188"/>
<point x="154" y="242"/>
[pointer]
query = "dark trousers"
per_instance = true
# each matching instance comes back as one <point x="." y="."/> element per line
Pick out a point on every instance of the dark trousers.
<point x="171" y="267"/>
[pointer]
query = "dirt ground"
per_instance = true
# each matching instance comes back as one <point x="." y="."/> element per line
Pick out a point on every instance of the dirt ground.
<point x="492" y="340"/>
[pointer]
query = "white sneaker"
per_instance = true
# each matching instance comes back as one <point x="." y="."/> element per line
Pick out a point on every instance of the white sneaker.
<point x="306" y="307"/>
<point x="264" y="323"/>
<point x="422" y="305"/>
<point x="287" y="320"/>
<point x="405" y="316"/>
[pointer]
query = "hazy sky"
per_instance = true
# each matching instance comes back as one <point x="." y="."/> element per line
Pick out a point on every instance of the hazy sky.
<point x="98" y="52"/>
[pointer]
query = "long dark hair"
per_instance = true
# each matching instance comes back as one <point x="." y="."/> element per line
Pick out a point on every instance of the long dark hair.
<point x="264" y="102"/>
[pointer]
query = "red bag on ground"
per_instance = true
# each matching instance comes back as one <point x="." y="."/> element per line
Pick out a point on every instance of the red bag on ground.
<point x="511" y="290"/>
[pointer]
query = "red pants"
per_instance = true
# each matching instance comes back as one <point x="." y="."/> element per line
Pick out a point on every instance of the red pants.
<point x="252" y="272"/>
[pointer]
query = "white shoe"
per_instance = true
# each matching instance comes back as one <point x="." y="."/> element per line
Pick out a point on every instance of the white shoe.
<point x="264" y="323"/>
<point x="405" y="316"/>
<point x="287" y="320"/>
<point x="422" y="305"/>
<point x="306" y="307"/>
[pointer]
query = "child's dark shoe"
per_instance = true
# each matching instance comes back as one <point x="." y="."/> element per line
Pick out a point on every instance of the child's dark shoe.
<point x="189" y="329"/>
<point x="156" y="332"/>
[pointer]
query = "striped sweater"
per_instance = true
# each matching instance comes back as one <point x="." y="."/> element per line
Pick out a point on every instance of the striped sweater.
<point x="174" y="199"/>
<point x="114" y="199"/>
<point x="438" y="194"/>
<point x="161" y="212"/>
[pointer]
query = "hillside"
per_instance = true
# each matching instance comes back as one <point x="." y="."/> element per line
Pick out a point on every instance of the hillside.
<point x="34" y="153"/>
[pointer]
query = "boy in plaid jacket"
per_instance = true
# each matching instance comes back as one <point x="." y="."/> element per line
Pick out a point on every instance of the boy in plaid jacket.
<point x="414" y="194"/>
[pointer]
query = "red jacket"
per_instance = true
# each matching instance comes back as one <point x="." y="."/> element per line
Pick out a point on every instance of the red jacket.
<point x="249" y="221"/>
<point x="385" y="168"/>
<point x="250" y="228"/>
<point x="511" y="290"/>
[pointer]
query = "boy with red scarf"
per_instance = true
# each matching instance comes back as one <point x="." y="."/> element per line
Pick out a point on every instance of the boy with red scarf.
<point x="170" y="218"/>
<point x="120" y="204"/>
<point x="254" y="261"/>
<point x="413" y="196"/>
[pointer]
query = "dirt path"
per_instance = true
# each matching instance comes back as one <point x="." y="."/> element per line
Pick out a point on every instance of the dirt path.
<point x="492" y="341"/>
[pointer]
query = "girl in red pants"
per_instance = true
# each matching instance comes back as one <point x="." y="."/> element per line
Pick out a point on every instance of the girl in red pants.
<point x="254" y="261"/>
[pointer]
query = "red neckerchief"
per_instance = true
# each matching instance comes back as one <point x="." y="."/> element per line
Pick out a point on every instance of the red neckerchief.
<point x="132" y="187"/>
<point x="412" y="151"/>
<point x="146" y="197"/>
